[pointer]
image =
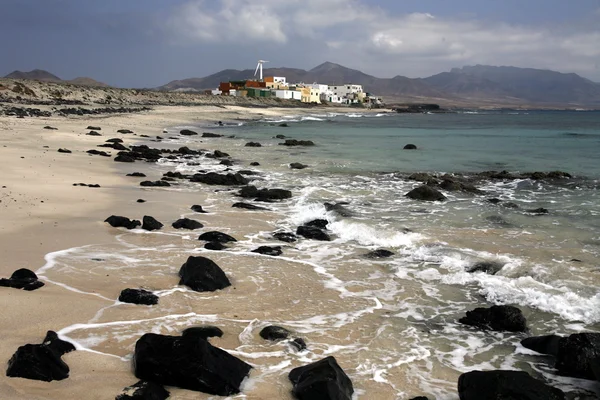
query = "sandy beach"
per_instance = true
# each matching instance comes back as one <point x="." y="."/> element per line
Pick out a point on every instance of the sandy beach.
<point x="43" y="212"/>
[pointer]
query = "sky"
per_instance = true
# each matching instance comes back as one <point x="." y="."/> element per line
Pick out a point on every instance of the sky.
<point x="147" y="43"/>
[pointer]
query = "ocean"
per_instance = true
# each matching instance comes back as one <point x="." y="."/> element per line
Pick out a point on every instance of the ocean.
<point x="392" y="323"/>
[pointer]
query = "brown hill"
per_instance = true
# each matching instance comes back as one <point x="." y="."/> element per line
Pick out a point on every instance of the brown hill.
<point x="84" y="81"/>
<point x="36" y="74"/>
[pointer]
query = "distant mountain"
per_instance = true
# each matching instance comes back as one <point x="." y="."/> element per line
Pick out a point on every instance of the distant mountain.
<point x="45" y="76"/>
<point x="528" y="84"/>
<point x="37" y="74"/>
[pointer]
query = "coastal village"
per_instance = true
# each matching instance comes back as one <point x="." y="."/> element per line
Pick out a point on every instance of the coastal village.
<point x="312" y="93"/>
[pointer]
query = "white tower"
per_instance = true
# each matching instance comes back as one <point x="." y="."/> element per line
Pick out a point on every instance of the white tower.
<point x="259" y="66"/>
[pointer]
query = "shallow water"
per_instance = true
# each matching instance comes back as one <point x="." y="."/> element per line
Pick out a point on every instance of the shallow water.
<point x="391" y="323"/>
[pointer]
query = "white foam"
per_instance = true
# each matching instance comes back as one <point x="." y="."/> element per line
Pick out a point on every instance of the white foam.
<point x="370" y="236"/>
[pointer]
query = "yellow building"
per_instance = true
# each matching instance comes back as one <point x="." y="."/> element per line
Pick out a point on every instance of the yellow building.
<point x="309" y="94"/>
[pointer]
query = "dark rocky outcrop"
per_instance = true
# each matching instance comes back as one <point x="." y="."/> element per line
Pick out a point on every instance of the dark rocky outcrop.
<point x="294" y="142"/>
<point x="543" y="344"/>
<point x="137" y="174"/>
<point x="339" y="209"/>
<point x="116" y="146"/>
<point x="114" y="140"/>
<point x="188" y="362"/>
<point x="318" y="223"/>
<point x="215" y="246"/>
<point x="187" y="132"/>
<point x="279" y="136"/>
<point x="274" y="333"/>
<point x="138" y="296"/>
<point x="420" y="398"/>
<point x="264" y="194"/>
<point x="95" y="152"/>
<point x="268" y="250"/>
<point x="496" y="318"/>
<point x="500" y="385"/>
<point x="423" y="177"/>
<point x="118" y="222"/>
<point x="61" y="150"/>
<point x="579" y="356"/>
<point x="124" y="158"/>
<point x="297" y="165"/>
<point x="410" y="147"/>
<point x="253" y="144"/>
<point x="50" y="128"/>
<point x="94" y="128"/>
<point x="299" y="344"/>
<point x="210" y="135"/>
<point x="425" y="193"/>
<point x="214" y="236"/>
<point x="204" y="332"/>
<point x="248" y="206"/>
<point x="538" y="211"/>
<point x="198" y="208"/>
<point x="125" y="131"/>
<point x="160" y="183"/>
<point x="456" y="186"/>
<point x="213" y="178"/>
<point x="311" y="232"/>
<point x="287" y="237"/>
<point x="144" y="390"/>
<point x="255" y="163"/>
<point x="489" y="267"/>
<point x="218" y="154"/>
<point x="186" y="223"/>
<point x="22" y="279"/>
<point x="150" y="223"/>
<point x="202" y="275"/>
<point x="379" y="253"/>
<point x="140" y="201"/>
<point x="41" y="362"/>
<point x="93" y="133"/>
<point x="323" y="380"/>
<point x="227" y="163"/>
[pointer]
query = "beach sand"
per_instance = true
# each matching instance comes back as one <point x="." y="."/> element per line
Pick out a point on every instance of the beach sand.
<point x="42" y="212"/>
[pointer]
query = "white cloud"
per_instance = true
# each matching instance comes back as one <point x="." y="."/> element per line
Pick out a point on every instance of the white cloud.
<point x="359" y="35"/>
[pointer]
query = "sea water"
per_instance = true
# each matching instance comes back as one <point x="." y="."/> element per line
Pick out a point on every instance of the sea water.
<point x="391" y="323"/>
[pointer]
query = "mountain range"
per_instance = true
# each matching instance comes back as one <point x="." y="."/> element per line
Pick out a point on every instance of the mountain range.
<point x="470" y="84"/>
<point x="45" y="76"/>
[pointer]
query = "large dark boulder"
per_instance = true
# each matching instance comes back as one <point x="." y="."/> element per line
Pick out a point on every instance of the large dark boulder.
<point x="198" y="208"/>
<point x="212" y="178"/>
<point x="150" y="223"/>
<point x="379" y="253"/>
<point x="144" y="390"/>
<point x="274" y="333"/>
<point x="321" y="380"/>
<point x="543" y="344"/>
<point x="253" y="144"/>
<point x="138" y="296"/>
<point x="22" y="279"/>
<point x="578" y="355"/>
<point x="118" y="222"/>
<point x="410" y="147"/>
<point x="496" y="318"/>
<point x="216" y="246"/>
<point x="202" y="275"/>
<point x="124" y="158"/>
<point x="268" y="250"/>
<point x="264" y="194"/>
<point x="489" y="267"/>
<point x="94" y="128"/>
<point x="311" y="232"/>
<point x="61" y="150"/>
<point x="210" y="135"/>
<point x="425" y="193"/>
<point x="214" y="236"/>
<point x="456" y="186"/>
<point x="187" y="132"/>
<point x="248" y="206"/>
<point x="294" y="142"/>
<point x="188" y="362"/>
<point x="41" y="362"/>
<point x="287" y="237"/>
<point x="297" y="165"/>
<point x="204" y="332"/>
<point x="504" y="385"/>
<point x="137" y="174"/>
<point x="125" y="131"/>
<point x="318" y="223"/>
<point x="155" y="183"/>
<point x="186" y="223"/>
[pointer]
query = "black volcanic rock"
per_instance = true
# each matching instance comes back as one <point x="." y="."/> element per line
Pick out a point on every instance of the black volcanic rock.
<point x="124" y="158"/>
<point x="160" y="183"/>
<point x="204" y="332"/>
<point x="94" y="128"/>
<point x="41" y="362"/>
<point x="274" y="333"/>
<point x="489" y="267"/>
<point x="296" y="165"/>
<point x="500" y="385"/>
<point x="287" y="237"/>
<point x="265" y="194"/>
<point x="322" y="380"/>
<point x="214" y="236"/>
<point x="98" y="153"/>
<point x="339" y="208"/>
<point x="22" y="279"/>
<point x="379" y="253"/>
<point x="186" y="223"/>
<point x="299" y="344"/>
<point x="210" y="135"/>
<point x="410" y="147"/>
<point x="118" y="221"/>
<point x="268" y="250"/>
<point x="202" y="275"/>
<point x="318" y="223"/>
<point x="543" y="344"/>
<point x="255" y="163"/>
<point x="213" y="178"/>
<point x="248" y="206"/>
<point x="579" y="356"/>
<point x="188" y="362"/>
<point x="138" y="296"/>
<point x="294" y="142"/>
<point x="124" y="131"/>
<point x="187" y="132"/>
<point x="137" y="174"/>
<point x="144" y="390"/>
<point x="215" y="246"/>
<point x="61" y="150"/>
<point x="311" y="232"/>
<point x="253" y="144"/>
<point x="197" y="208"/>
<point x="50" y="128"/>
<point x="150" y="223"/>
<point x="496" y="318"/>
<point x="456" y="186"/>
<point x="425" y="193"/>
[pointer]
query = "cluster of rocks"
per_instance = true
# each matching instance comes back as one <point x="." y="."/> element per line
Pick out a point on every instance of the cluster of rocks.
<point x="22" y="112"/>
<point x="98" y="111"/>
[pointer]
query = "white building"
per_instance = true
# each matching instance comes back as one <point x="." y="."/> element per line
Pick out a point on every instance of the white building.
<point x="216" y="92"/>
<point x="345" y="90"/>
<point x="287" y="94"/>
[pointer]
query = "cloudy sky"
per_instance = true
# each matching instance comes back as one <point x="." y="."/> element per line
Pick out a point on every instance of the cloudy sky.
<point x="147" y="43"/>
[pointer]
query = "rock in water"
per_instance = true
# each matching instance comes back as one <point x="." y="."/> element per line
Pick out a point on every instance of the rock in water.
<point x="151" y="224"/>
<point x="310" y="232"/>
<point x="489" y="267"/>
<point x="248" y="206"/>
<point x="203" y="332"/>
<point x="287" y="237"/>
<point x="268" y="250"/>
<point x="202" y="275"/>
<point x="212" y="178"/>
<point x="197" y="208"/>
<point x="186" y="223"/>
<point x="188" y="362"/>
<point x="500" y="385"/>
<point x="578" y="355"/>
<point x="144" y="390"/>
<point x="299" y="344"/>
<point x="410" y="147"/>
<point x="138" y="296"/>
<point x="187" y="132"/>
<point x="318" y="223"/>
<point x="297" y="165"/>
<point x="321" y="380"/>
<point x="210" y="135"/>
<point x="214" y="236"/>
<point x="379" y="253"/>
<point x="265" y="194"/>
<point x="118" y="221"/>
<point x="496" y="318"/>
<point x="425" y="193"/>
<point x="22" y="279"/>
<point x="253" y="144"/>
<point x="41" y="362"/>
<point x="543" y="344"/>
<point x="274" y="333"/>
<point x="215" y="246"/>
